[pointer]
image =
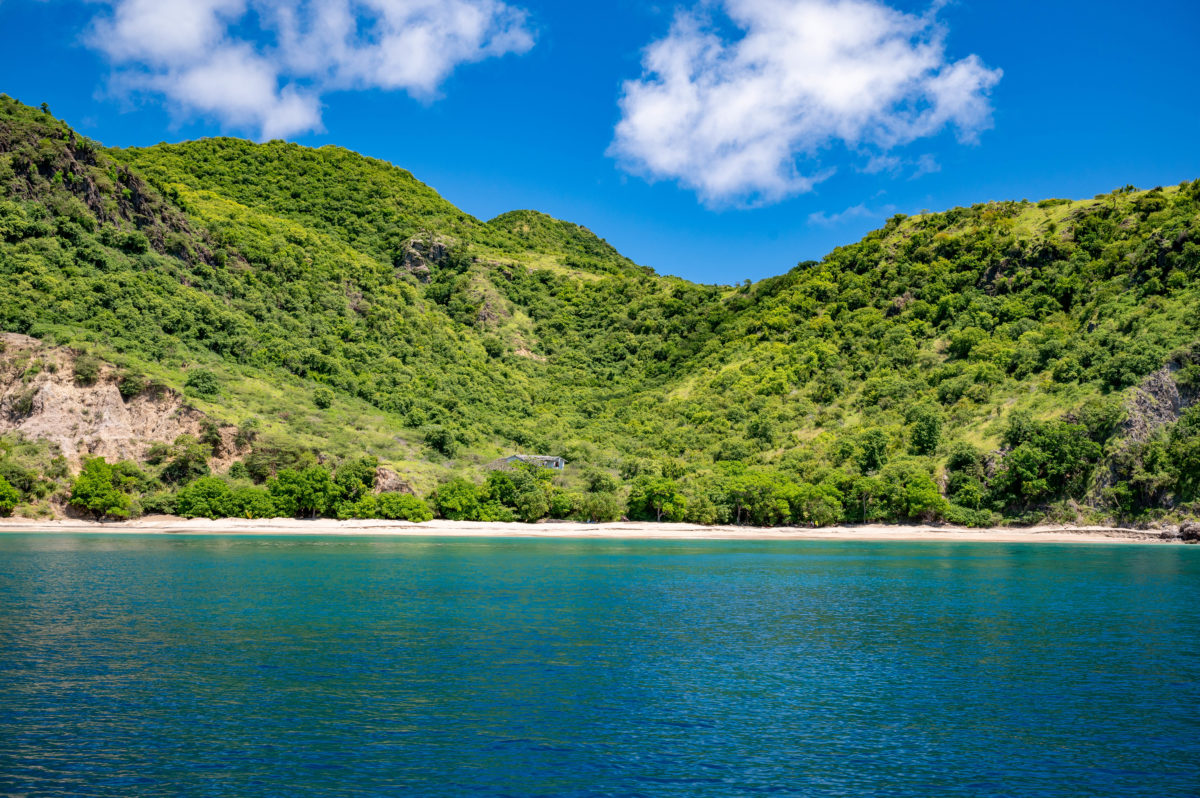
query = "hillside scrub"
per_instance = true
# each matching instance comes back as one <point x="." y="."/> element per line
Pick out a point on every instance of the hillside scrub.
<point x="970" y="366"/>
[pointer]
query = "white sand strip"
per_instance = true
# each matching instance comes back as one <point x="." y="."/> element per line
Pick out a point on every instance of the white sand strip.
<point x="617" y="531"/>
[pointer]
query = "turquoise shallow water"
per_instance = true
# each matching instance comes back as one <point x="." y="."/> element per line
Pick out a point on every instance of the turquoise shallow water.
<point x="367" y="666"/>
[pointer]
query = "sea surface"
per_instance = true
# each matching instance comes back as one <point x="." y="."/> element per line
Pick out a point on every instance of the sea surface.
<point x="289" y="666"/>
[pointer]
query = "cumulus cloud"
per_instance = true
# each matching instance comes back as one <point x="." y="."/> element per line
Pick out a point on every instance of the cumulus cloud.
<point x="745" y="118"/>
<point x="264" y="64"/>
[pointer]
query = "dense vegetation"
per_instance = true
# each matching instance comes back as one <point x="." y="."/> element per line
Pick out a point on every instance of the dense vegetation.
<point x="972" y="366"/>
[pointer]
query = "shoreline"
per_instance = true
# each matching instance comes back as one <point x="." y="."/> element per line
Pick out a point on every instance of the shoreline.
<point x="623" y="530"/>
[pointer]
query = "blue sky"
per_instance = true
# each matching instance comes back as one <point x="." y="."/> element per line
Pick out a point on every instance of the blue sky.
<point x="717" y="140"/>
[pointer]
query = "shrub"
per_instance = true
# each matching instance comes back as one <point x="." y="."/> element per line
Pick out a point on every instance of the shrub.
<point x="601" y="507"/>
<point x="207" y="497"/>
<point x="493" y="346"/>
<point x="203" y="383"/>
<point x="159" y="502"/>
<point x="131" y="385"/>
<point x="8" y="497"/>
<point x="310" y="492"/>
<point x="248" y="502"/>
<point x="87" y="369"/>
<point x="188" y="460"/>
<point x="457" y="499"/>
<point x="441" y="439"/>
<point x="323" y="398"/>
<point x="21" y="405"/>
<point x="94" y="492"/>
<point x="402" y="507"/>
<point x="496" y="513"/>
<point x="926" y="429"/>
<point x="356" y="478"/>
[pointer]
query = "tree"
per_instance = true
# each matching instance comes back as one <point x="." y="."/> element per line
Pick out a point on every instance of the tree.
<point x="926" y="429"/>
<point x="8" y="497"/>
<point x="187" y="459"/>
<point x="600" y="481"/>
<point x="310" y="492"/>
<point x="402" y="507"/>
<point x="250" y="502"/>
<point x="499" y="487"/>
<point x="601" y="507"/>
<point x="872" y="450"/>
<point x="202" y="383"/>
<point x="658" y="498"/>
<point x="531" y="505"/>
<point x="207" y="497"/>
<point x="93" y="491"/>
<point x="441" y="439"/>
<point x="356" y="478"/>
<point x="817" y="505"/>
<point x="457" y="499"/>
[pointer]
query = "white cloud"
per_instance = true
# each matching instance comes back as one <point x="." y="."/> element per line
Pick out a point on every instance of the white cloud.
<point x="746" y="118"/>
<point x="264" y="64"/>
<point x="823" y="219"/>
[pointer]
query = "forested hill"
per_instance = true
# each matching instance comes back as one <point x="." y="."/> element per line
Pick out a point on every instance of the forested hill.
<point x="325" y="310"/>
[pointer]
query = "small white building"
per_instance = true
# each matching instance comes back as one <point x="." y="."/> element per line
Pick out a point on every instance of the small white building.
<point x="536" y="460"/>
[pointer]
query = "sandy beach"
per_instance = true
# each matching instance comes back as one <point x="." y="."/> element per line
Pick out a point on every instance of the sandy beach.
<point x="616" y="531"/>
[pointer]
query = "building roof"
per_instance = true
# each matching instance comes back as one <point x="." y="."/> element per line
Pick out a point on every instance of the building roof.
<point x="541" y="460"/>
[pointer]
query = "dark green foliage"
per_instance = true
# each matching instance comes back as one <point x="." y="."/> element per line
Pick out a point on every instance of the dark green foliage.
<point x="389" y="506"/>
<point x="926" y="429"/>
<point x="600" y="507"/>
<point x="210" y="436"/>
<point x="441" y="439"/>
<point x="872" y="450"/>
<point x="95" y="491"/>
<point x="323" y="398"/>
<point x="1161" y="471"/>
<point x="186" y="459"/>
<point x="457" y="499"/>
<point x="207" y="497"/>
<point x="598" y="481"/>
<point x="251" y="502"/>
<point x="308" y="493"/>
<point x="87" y="369"/>
<point x="1049" y="460"/>
<point x="131" y="385"/>
<point x="8" y="497"/>
<point x="202" y="382"/>
<point x="656" y="499"/>
<point x="356" y="478"/>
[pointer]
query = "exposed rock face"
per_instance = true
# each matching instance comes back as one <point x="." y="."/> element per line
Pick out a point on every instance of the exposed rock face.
<point x="1155" y="402"/>
<point x="1189" y="532"/>
<point x="40" y="399"/>
<point x="388" y="481"/>
<point x="420" y="251"/>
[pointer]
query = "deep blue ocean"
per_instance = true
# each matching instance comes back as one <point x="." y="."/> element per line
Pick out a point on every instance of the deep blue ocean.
<point x="287" y="666"/>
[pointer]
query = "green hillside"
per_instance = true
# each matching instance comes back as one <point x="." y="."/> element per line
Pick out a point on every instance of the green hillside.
<point x="1010" y="360"/>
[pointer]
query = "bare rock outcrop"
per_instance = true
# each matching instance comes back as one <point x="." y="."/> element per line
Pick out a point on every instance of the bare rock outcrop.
<point x="388" y="481"/>
<point x="419" y="252"/>
<point x="1154" y="403"/>
<point x="41" y="398"/>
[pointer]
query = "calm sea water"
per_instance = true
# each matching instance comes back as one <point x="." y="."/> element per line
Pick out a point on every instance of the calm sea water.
<point x="366" y="666"/>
